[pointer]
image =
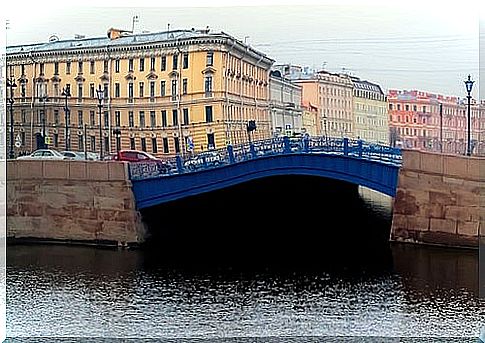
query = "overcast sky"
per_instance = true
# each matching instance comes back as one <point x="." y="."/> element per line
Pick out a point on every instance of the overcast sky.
<point x="431" y="46"/>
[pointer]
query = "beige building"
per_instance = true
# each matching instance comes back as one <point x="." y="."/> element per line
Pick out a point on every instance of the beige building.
<point x="161" y="90"/>
<point x="371" y="119"/>
<point x="309" y="118"/>
<point x="331" y="93"/>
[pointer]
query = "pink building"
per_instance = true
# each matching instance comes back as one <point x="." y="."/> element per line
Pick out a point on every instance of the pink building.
<point x="427" y="121"/>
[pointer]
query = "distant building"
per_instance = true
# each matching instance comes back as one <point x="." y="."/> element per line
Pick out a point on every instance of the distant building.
<point x="428" y="121"/>
<point x="160" y="90"/>
<point x="285" y="100"/>
<point x="371" y="120"/>
<point x="309" y="118"/>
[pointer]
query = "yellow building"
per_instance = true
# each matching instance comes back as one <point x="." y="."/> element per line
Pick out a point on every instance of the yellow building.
<point x="310" y="118"/>
<point x="371" y="119"/>
<point x="160" y="90"/>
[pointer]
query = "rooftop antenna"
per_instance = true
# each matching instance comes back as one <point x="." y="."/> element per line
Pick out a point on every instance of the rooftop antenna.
<point x="245" y="39"/>
<point x="168" y="27"/>
<point x="323" y="65"/>
<point x="134" y="20"/>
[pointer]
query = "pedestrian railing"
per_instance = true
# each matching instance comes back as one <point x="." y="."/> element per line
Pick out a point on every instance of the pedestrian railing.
<point x="353" y="148"/>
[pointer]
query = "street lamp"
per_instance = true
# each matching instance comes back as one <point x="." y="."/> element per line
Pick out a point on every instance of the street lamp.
<point x="469" y="86"/>
<point x="44" y="99"/>
<point x="100" y="95"/>
<point x="66" y="92"/>
<point x="12" y="85"/>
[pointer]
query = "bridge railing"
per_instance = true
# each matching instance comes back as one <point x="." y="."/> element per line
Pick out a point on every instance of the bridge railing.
<point x="265" y="148"/>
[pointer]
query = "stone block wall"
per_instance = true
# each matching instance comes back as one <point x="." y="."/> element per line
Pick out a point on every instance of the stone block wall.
<point x="438" y="199"/>
<point x="72" y="201"/>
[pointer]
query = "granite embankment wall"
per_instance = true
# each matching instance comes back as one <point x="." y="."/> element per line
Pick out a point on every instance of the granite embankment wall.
<point x="76" y="201"/>
<point x="439" y="199"/>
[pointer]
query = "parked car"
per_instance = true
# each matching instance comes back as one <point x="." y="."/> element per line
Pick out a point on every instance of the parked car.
<point x="136" y="156"/>
<point x="73" y="155"/>
<point x="90" y="156"/>
<point x="211" y="159"/>
<point x="44" y="154"/>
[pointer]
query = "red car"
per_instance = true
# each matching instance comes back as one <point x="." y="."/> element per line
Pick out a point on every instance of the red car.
<point x="135" y="156"/>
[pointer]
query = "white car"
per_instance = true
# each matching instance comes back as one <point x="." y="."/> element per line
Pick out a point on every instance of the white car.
<point x="73" y="155"/>
<point x="44" y="154"/>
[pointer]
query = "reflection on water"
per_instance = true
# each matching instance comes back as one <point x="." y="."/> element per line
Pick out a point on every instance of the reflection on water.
<point x="85" y="292"/>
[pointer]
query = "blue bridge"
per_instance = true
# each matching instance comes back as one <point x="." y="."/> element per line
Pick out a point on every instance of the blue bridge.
<point x="371" y="165"/>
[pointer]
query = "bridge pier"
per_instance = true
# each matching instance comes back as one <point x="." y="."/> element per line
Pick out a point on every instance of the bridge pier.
<point x="438" y="200"/>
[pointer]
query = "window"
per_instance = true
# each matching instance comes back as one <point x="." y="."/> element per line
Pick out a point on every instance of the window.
<point x="106" y="118"/>
<point x="175" y="119"/>
<point x="175" y="59"/>
<point x="142" y="64"/>
<point x="23" y="90"/>
<point x="208" y="86"/>
<point x="154" y="145"/>
<point x="186" y="116"/>
<point x="105" y="90"/>
<point x="424" y="109"/>
<point x="118" y="143"/>
<point x="117" y="118"/>
<point x="80" y="121"/>
<point x="153" y="120"/>
<point x="56" y="68"/>
<point x="22" y="138"/>
<point x="164" y="63"/>
<point x="142" y="119"/>
<point x="415" y="108"/>
<point x="68" y="67"/>
<point x="166" y="149"/>
<point x="130" y="65"/>
<point x="152" y="64"/>
<point x="407" y="107"/>
<point x="211" y="144"/>
<point x="56" y="117"/>
<point x="130" y="91"/>
<point x="91" y="67"/>
<point x="80" y="143"/>
<point x="390" y="107"/>
<point x="143" y="144"/>
<point x="24" y="115"/>
<point x="93" y="143"/>
<point x="176" y="143"/>
<point x="162" y="88"/>
<point x="79" y="92"/>
<point x="208" y="114"/>
<point x="131" y="121"/>
<point x="174" y="89"/>
<point x="56" y="140"/>
<point x="164" y="118"/>
<point x="105" y="65"/>
<point x="80" y="67"/>
<point x="398" y="107"/>
<point x="117" y="66"/>
<point x="210" y="58"/>
<point x="152" y="89"/>
<point x="91" y="90"/>
<point x="424" y="120"/>
<point x="117" y="90"/>
<point x="141" y="90"/>
<point x="92" y="121"/>
<point x="41" y="69"/>
<point x="186" y="60"/>
<point x="184" y="86"/>
<point x="132" y="144"/>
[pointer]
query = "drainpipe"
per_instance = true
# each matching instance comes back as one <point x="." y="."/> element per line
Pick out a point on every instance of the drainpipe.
<point x="32" y="102"/>
<point x="226" y="81"/>
<point x="179" y="96"/>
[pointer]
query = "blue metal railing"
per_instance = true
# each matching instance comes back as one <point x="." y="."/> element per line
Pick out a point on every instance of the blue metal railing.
<point x="265" y="148"/>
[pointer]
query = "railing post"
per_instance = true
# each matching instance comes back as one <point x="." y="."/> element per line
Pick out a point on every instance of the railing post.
<point x="346" y="146"/>
<point x="306" y="144"/>
<point x="180" y="166"/>
<point x="252" y="150"/>
<point x="230" y="152"/>
<point x="286" y="143"/>
<point x="360" y="147"/>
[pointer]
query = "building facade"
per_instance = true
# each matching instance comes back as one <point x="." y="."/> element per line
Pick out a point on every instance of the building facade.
<point x="309" y="118"/>
<point x="427" y="121"/>
<point x="285" y="106"/>
<point x="160" y="91"/>
<point x="371" y="120"/>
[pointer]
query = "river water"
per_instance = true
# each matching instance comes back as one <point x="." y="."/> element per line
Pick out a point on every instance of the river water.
<point x="91" y="294"/>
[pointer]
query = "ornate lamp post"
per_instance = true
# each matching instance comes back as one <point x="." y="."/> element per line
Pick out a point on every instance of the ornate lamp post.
<point x="12" y="85"/>
<point x="469" y="86"/>
<point x="66" y="92"/>
<point x="100" y="95"/>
